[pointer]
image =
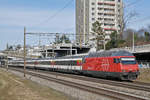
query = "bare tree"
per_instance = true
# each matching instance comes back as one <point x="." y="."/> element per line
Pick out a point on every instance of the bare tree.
<point x="126" y="16"/>
<point x="126" y="19"/>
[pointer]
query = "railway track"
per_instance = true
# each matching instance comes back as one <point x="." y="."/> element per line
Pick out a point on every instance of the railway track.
<point x="132" y="85"/>
<point x="99" y="91"/>
<point x="142" y="83"/>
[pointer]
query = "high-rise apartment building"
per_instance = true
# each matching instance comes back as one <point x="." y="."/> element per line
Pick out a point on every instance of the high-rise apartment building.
<point x="108" y="12"/>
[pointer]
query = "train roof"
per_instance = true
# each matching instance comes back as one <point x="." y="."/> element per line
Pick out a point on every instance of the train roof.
<point x="94" y="54"/>
<point x="110" y="53"/>
<point x="74" y="56"/>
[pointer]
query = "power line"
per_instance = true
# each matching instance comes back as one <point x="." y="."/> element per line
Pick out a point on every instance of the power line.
<point x="143" y="19"/>
<point x="132" y="3"/>
<point x="54" y="15"/>
<point x="54" y="34"/>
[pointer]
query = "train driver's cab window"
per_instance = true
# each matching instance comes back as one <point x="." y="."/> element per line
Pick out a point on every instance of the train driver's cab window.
<point x="116" y="60"/>
<point x="127" y="61"/>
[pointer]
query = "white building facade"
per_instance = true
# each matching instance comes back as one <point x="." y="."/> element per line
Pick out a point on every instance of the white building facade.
<point x="108" y="12"/>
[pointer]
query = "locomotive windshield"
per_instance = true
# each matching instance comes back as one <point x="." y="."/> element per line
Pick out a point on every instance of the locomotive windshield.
<point x="127" y="61"/>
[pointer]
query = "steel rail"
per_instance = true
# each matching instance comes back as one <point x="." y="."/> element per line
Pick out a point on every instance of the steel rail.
<point x="132" y="85"/>
<point x="100" y="91"/>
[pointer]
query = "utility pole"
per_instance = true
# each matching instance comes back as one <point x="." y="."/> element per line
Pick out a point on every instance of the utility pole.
<point x="39" y="40"/>
<point x="24" y="52"/>
<point x="7" y="61"/>
<point x="71" y="49"/>
<point x="84" y="25"/>
<point x="6" y="57"/>
<point x="133" y="44"/>
<point x="104" y="43"/>
<point x="46" y="53"/>
<point x="53" y="51"/>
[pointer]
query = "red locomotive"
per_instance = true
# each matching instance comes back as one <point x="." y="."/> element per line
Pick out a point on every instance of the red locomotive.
<point x="115" y="64"/>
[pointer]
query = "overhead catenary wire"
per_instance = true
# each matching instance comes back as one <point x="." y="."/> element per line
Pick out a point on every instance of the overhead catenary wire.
<point x="141" y="20"/>
<point x="132" y="3"/>
<point x="55" y="14"/>
<point x="70" y="34"/>
<point x="138" y="20"/>
<point x="44" y="34"/>
<point x="66" y="5"/>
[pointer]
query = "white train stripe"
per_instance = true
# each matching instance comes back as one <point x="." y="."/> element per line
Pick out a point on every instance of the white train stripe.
<point x="74" y="59"/>
<point x="53" y="66"/>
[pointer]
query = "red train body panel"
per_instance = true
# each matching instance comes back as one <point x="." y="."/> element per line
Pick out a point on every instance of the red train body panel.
<point x="107" y="64"/>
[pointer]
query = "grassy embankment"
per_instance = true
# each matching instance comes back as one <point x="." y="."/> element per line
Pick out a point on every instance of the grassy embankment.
<point x="15" y="88"/>
<point x="144" y="75"/>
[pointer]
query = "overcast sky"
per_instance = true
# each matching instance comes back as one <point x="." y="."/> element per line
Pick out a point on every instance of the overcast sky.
<point x="50" y="16"/>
